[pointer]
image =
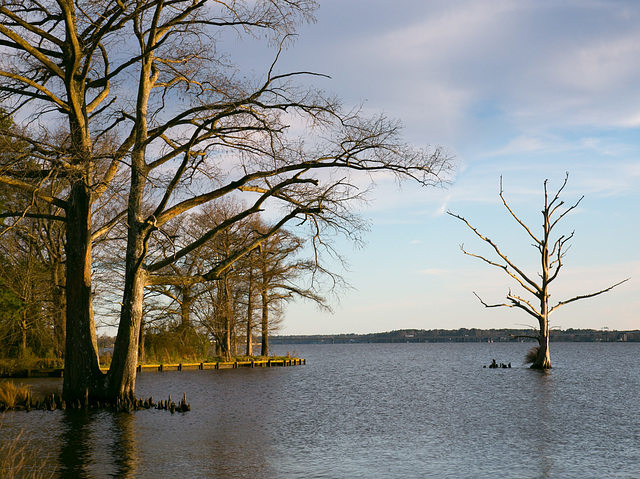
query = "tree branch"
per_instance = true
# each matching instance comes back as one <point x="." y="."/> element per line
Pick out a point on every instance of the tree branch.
<point x="584" y="296"/>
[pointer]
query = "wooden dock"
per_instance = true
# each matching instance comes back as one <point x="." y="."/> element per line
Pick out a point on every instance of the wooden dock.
<point x="257" y="363"/>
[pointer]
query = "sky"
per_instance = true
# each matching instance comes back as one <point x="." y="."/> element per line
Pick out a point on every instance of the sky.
<point x="526" y="90"/>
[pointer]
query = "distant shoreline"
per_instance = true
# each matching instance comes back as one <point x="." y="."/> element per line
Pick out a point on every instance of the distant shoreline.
<point x="459" y="336"/>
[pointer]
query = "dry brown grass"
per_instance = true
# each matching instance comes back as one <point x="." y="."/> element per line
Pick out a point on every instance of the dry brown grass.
<point x="18" y="461"/>
<point x="532" y="354"/>
<point x="12" y="395"/>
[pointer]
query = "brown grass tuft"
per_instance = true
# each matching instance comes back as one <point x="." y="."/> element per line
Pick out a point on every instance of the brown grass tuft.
<point x="532" y="354"/>
<point x="12" y="395"/>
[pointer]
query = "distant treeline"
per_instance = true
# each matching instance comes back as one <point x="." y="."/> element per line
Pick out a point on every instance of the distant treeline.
<point x="460" y="336"/>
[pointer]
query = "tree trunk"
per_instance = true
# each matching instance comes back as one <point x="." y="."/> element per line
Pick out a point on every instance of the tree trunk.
<point x="58" y="297"/>
<point x="265" y="321"/>
<point x="221" y="319"/>
<point x="122" y="374"/>
<point x="543" y="359"/>
<point x="141" y="349"/>
<point x="186" y="300"/>
<point x="23" y="331"/>
<point x="249" y="350"/>
<point x="82" y="375"/>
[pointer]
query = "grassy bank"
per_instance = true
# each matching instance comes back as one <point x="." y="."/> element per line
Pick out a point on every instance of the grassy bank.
<point x="17" y="367"/>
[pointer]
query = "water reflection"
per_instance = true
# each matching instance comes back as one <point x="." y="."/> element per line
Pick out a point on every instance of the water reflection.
<point x="125" y="446"/>
<point x="75" y="454"/>
<point x="543" y="417"/>
<point x="97" y="444"/>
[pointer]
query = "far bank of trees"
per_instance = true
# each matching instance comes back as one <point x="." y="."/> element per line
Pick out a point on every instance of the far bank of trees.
<point x="463" y="335"/>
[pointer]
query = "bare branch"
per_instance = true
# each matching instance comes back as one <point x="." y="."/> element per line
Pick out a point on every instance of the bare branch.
<point x="584" y="296"/>
<point x="521" y="277"/>
<point x="515" y="217"/>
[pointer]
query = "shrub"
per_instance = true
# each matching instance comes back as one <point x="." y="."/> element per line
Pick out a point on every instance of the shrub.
<point x="532" y="354"/>
<point x="12" y="395"/>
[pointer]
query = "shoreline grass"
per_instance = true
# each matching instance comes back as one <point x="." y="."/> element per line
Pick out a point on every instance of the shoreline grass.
<point x="13" y="396"/>
<point x="19" y="460"/>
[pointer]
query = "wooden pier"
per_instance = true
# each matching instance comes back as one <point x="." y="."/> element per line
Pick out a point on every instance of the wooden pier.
<point x="259" y="363"/>
<point x="256" y="363"/>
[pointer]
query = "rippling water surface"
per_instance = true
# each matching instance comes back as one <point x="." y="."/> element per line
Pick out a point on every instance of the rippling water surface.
<point x="368" y="411"/>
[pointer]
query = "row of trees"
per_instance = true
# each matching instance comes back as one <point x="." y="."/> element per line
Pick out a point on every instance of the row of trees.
<point x="142" y="94"/>
<point x="32" y="295"/>
<point x="247" y="300"/>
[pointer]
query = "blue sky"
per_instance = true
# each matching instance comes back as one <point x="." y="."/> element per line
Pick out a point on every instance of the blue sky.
<point x="523" y="89"/>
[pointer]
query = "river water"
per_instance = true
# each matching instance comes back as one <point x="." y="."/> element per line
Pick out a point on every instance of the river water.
<point x="366" y="411"/>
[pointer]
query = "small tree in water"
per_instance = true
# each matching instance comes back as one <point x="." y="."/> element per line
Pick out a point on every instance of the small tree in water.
<point x="551" y="254"/>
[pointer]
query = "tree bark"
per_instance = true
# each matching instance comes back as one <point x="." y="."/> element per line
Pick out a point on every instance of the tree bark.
<point x="226" y="305"/>
<point x="122" y="373"/>
<point x="82" y="375"/>
<point x="265" y="320"/>
<point x="543" y="359"/>
<point x="186" y="300"/>
<point x="249" y="350"/>
<point x="141" y="349"/>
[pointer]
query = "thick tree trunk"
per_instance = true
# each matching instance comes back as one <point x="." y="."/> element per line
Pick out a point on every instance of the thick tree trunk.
<point x="543" y="359"/>
<point x="82" y="375"/>
<point x="122" y="374"/>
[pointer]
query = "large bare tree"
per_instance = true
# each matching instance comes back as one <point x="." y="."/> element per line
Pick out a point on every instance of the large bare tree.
<point x="143" y="89"/>
<point x="551" y="250"/>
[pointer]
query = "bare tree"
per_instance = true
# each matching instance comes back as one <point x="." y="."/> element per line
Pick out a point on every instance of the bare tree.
<point x="142" y="87"/>
<point x="281" y="276"/>
<point x="551" y="252"/>
<point x="32" y="268"/>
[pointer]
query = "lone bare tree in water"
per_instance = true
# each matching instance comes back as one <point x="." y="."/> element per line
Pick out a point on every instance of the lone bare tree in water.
<point x="551" y="255"/>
